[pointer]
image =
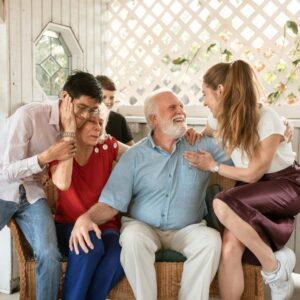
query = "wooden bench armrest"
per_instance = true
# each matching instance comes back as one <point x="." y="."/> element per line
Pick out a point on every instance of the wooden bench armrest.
<point x="24" y="250"/>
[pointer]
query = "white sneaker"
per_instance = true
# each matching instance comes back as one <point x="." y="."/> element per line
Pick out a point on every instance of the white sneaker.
<point x="281" y="283"/>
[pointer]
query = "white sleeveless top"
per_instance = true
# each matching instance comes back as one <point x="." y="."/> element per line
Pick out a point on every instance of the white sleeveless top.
<point x="270" y="123"/>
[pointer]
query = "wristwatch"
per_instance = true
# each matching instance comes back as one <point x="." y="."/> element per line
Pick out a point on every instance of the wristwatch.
<point x="69" y="134"/>
<point x="216" y="168"/>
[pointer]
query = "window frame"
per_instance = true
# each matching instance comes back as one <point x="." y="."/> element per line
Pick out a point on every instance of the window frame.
<point x="67" y="37"/>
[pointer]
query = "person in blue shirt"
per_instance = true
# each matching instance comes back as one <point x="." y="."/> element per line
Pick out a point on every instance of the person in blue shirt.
<point x="165" y="201"/>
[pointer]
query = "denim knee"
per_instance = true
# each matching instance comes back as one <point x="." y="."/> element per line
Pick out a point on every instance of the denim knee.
<point x="50" y="254"/>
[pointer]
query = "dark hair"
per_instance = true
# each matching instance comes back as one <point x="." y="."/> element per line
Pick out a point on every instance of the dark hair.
<point x="106" y="83"/>
<point x="83" y="84"/>
<point x="239" y="113"/>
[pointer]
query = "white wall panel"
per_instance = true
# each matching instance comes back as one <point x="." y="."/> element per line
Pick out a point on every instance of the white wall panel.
<point x="65" y="12"/>
<point x="74" y="15"/>
<point x="26" y="53"/>
<point x="14" y="38"/>
<point x="82" y="33"/>
<point x="97" y="38"/>
<point x="46" y="12"/>
<point x="90" y="45"/>
<point x="36" y="18"/>
<point x="56" y="11"/>
<point x="1" y="12"/>
<point x="4" y="74"/>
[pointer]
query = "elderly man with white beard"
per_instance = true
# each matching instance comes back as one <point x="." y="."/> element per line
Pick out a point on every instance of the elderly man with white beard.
<point x="165" y="201"/>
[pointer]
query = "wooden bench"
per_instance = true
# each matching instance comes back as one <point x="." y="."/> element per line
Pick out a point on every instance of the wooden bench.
<point x="168" y="273"/>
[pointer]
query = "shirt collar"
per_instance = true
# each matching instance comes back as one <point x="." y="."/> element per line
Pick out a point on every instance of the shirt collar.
<point x="154" y="146"/>
<point x="150" y="139"/>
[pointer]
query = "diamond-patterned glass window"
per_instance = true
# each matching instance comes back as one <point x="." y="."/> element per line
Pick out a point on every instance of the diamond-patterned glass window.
<point x="150" y="44"/>
<point x="52" y="62"/>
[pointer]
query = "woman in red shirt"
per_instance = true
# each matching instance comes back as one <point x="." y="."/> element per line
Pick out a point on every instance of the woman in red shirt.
<point x="80" y="180"/>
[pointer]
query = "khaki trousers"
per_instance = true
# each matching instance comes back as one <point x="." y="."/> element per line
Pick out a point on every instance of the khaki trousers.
<point x="200" y="244"/>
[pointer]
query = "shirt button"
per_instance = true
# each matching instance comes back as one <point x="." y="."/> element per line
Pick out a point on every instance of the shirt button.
<point x="163" y="215"/>
<point x="170" y="175"/>
<point x="167" y="195"/>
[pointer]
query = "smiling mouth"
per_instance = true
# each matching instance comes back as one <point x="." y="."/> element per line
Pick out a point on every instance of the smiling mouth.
<point x="179" y="119"/>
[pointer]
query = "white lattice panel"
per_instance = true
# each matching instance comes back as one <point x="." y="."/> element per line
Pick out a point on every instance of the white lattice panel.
<point x="141" y="38"/>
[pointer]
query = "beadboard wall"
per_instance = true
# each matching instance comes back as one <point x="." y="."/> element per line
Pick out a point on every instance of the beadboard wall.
<point x="24" y="20"/>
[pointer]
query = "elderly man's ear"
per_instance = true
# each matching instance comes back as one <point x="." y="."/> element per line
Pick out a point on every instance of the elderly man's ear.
<point x="153" y="120"/>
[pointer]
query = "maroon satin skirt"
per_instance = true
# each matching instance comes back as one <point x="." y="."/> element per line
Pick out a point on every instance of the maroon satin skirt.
<point x="268" y="205"/>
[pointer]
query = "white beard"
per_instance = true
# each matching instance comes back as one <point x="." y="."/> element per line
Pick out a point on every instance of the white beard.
<point x="171" y="128"/>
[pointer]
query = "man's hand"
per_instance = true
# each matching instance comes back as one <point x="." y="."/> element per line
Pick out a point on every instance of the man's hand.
<point x="34" y="177"/>
<point x="61" y="150"/>
<point x="80" y="234"/>
<point x="67" y="116"/>
<point x="192" y="136"/>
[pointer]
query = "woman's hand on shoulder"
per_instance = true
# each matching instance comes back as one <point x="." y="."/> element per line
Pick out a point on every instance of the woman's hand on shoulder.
<point x="289" y="130"/>
<point x="192" y="136"/>
<point x="202" y="160"/>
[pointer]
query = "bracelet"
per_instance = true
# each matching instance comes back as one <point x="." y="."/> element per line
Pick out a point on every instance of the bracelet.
<point x="216" y="168"/>
<point x="69" y="134"/>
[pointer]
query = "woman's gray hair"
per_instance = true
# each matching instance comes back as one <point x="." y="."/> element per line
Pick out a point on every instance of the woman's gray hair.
<point x="150" y="106"/>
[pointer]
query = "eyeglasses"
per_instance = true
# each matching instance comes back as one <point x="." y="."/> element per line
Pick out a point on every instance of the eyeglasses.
<point x="85" y="111"/>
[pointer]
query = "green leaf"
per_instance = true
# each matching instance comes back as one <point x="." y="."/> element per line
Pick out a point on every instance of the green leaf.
<point x="274" y="95"/>
<point x="211" y="47"/>
<point x="166" y="59"/>
<point x="281" y="67"/>
<point x="269" y="77"/>
<point x="292" y="77"/>
<point x="296" y="62"/>
<point x="227" y="54"/>
<point x="179" y="61"/>
<point x="195" y="49"/>
<point x="293" y="26"/>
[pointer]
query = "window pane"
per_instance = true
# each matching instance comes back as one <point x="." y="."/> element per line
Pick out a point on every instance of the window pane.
<point x="52" y="63"/>
<point x="43" y="78"/>
<point x="58" y="79"/>
<point x="42" y="49"/>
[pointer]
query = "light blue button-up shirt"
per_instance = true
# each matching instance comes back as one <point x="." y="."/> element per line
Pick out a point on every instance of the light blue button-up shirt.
<point x="160" y="188"/>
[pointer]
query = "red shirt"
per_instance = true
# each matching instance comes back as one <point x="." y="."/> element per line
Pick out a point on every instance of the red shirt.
<point x="87" y="184"/>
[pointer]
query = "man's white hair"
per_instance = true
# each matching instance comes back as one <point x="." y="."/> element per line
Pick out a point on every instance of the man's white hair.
<point x="150" y="106"/>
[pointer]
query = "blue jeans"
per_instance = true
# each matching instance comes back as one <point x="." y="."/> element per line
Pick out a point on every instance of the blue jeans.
<point x="36" y="222"/>
<point x="91" y="275"/>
